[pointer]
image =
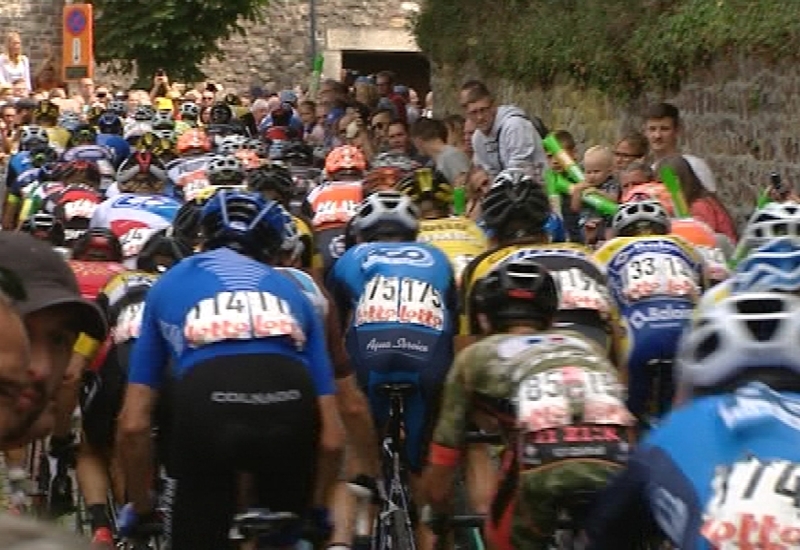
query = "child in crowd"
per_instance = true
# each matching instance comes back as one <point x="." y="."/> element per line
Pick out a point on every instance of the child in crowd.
<point x="598" y="166"/>
<point x="555" y="170"/>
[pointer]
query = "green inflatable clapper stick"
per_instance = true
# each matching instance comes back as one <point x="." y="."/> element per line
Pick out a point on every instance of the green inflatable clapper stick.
<point x="552" y="146"/>
<point x="600" y="204"/>
<point x="673" y="184"/>
<point x="316" y="75"/>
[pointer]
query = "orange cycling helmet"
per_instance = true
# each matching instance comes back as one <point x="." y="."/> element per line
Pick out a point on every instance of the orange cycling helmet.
<point x="651" y="191"/>
<point x="193" y="139"/>
<point x="694" y="232"/>
<point x="384" y="178"/>
<point x="345" y="158"/>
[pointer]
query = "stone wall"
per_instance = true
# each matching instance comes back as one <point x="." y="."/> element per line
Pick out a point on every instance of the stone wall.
<point x="741" y="114"/>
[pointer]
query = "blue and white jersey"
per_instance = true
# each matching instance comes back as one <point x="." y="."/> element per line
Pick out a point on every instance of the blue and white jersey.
<point x="223" y="304"/>
<point x="723" y="472"/>
<point x="18" y="164"/>
<point x="186" y="177"/>
<point x="403" y="301"/>
<point x="117" y="145"/>
<point x="310" y="288"/>
<point x="133" y="219"/>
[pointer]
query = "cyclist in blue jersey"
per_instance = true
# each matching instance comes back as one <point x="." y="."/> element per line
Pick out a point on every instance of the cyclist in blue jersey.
<point x="398" y="299"/>
<point x="735" y="482"/>
<point x="254" y="405"/>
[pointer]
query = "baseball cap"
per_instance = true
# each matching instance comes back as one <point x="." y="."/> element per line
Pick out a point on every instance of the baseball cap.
<point x="288" y="96"/>
<point x="48" y="281"/>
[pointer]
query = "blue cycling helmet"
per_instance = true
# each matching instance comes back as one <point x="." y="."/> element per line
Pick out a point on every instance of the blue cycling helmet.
<point x="774" y="267"/>
<point x="244" y="222"/>
<point x="109" y="123"/>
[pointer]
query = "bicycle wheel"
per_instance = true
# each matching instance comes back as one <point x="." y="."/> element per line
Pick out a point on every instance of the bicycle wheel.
<point x="400" y="532"/>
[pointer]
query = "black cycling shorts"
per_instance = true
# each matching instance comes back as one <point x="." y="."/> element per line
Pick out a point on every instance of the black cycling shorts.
<point x="247" y="413"/>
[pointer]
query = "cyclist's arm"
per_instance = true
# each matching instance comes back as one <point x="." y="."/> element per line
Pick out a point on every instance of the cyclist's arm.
<point x="148" y="362"/>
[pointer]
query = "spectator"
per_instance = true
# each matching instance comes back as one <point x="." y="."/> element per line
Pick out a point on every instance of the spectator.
<point x="428" y="110"/>
<point x="397" y="138"/>
<point x="366" y="92"/>
<point x="379" y="126"/>
<point x="699" y="188"/>
<point x="385" y="81"/>
<point x="307" y="111"/>
<point x="412" y="108"/>
<point x="631" y="148"/>
<point x="429" y="136"/>
<point x="662" y="127"/>
<point x="14" y="65"/>
<point x="254" y="117"/>
<point x="14" y="374"/>
<point x="478" y="183"/>
<point x="19" y="88"/>
<point x="556" y="170"/>
<point x="47" y="78"/>
<point x="469" y="131"/>
<point x="505" y="137"/>
<point x="455" y="131"/>
<point x="87" y="91"/>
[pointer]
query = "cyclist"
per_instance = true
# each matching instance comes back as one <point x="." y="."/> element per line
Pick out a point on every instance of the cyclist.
<point x="253" y="397"/>
<point x="44" y="227"/>
<point x="141" y="209"/>
<point x="459" y="238"/>
<point x="110" y="136"/>
<point x="73" y="205"/>
<point x="187" y="173"/>
<point x="398" y="302"/>
<point x="522" y="380"/>
<point x="656" y="280"/>
<point x="30" y="138"/>
<point x="738" y="489"/>
<point x="331" y="205"/>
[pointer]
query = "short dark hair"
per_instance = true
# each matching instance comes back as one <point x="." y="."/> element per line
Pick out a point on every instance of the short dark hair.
<point x="429" y="129"/>
<point x="310" y="104"/>
<point x="399" y="122"/>
<point x="388" y="75"/>
<point x="664" y="110"/>
<point x="476" y="90"/>
<point x="637" y="141"/>
<point x="643" y="167"/>
<point x="565" y="139"/>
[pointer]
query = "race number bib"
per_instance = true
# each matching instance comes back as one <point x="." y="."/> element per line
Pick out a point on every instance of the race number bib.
<point x="81" y="208"/>
<point x="241" y="316"/>
<point x="648" y="275"/>
<point x="400" y="300"/>
<point x="133" y="241"/>
<point x="129" y="323"/>
<point x="193" y="183"/>
<point x="754" y="504"/>
<point x="553" y="398"/>
<point x="579" y="291"/>
<point x="334" y="211"/>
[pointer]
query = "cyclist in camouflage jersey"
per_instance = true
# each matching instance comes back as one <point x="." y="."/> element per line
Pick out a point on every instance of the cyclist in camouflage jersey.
<point x="553" y="396"/>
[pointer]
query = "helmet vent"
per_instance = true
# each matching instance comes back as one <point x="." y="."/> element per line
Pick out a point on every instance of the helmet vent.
<point x="707" y="347"/>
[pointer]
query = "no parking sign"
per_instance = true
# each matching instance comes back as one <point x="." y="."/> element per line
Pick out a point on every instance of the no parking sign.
<point x="78" y="45"/>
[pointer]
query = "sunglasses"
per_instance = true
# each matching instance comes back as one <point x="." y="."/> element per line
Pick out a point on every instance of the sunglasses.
<point x="12" y="286"/>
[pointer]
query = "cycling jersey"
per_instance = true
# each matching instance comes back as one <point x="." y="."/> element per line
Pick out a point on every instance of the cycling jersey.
<point x="736" y="488"/>
<point x="459" y="238"/>
<point x="133" y="219"/>
<point x="310" y="289"/>
<point x="333" y="204"/>
<point x="221" y="304"/>
<point x="553" y="448"/>
<point x="656" y="282"/>
<point x="93" y="276"/>
<point x="310" y="256"/>
<point x="18" y="164"/>
<point x="585" y="304"/>
<point x="100" y="155"/>
<point x="403" y="305"/>
<point x="187" y="175"/>
<point x="74" y="207"/>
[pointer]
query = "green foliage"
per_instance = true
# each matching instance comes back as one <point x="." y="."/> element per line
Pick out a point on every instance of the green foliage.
<point x="174" y="35"/>
<point x="618" y="46"/>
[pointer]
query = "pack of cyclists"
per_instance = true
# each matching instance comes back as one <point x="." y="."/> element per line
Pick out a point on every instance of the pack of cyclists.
<point x="259" y="293"/>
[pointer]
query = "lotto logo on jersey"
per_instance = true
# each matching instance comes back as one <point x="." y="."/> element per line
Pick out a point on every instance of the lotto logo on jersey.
<point x="400" y="300"/>
<point x="81" y="208"/>
<point x="756" y="531"/>
<point x="241" y="316"/>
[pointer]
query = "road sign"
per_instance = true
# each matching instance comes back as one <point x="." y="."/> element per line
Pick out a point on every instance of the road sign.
<point x="78" y="46"/>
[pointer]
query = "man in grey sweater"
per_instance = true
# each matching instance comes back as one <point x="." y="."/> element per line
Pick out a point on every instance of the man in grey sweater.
<point x="505" y="136"/>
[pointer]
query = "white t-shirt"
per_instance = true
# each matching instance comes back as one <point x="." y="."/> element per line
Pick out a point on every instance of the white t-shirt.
<point x="10" y="71"/>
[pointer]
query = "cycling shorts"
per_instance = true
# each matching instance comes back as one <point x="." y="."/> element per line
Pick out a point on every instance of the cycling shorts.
<point x="255" y="414"/>
<point x="403" y="356"/>
<point x="653" y="328"/>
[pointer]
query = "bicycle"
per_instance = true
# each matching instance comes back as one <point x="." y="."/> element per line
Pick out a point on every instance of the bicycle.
<point x="256" y="524"/>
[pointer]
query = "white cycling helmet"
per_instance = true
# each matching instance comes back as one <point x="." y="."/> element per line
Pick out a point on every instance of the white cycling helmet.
<point x="386" y="210"/>
<point x="771" y="222"/>
<point x="231" y="144"/>
<point x="224" y="170"/>
<point x="633" y="213"/>
<point x="744" y="331"/>
<point x="190" y="111"/>
<point x="30" y="134"/>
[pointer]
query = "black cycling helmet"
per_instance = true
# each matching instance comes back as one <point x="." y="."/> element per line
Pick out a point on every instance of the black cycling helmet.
<point x="83" y="134"/>
<point x="519" y="289"/>
<point x="427" y="185"/>
<point x="110" y="123"/>
<point x="77" y="171"/>
<point x="97" y="244"/>
<point x="515" y="206"/>
<point x="45" y="227"/>
<point x="273" y="181"/>
<point x="161" y="252"/>
<point x="220" y="113"/>
<point x="186" y="225"/>
<point x="298" y="153"/>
